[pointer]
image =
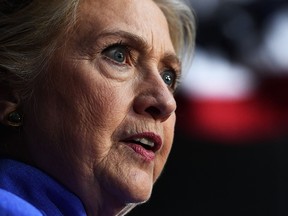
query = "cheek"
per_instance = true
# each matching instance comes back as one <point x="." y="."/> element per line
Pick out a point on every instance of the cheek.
<point x="106" y="107"/>
<point x="101" y="111"/>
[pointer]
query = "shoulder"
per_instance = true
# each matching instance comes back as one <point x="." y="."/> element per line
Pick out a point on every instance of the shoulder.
<point x="12" y="205"/>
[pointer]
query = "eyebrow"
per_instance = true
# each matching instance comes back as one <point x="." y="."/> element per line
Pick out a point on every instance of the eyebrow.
<point x="142" y="44"/>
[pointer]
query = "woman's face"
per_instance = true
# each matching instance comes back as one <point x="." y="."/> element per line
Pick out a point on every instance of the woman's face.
<point x="105" y="114"/>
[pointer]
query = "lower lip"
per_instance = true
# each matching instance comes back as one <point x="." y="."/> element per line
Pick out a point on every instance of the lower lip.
<point x="148" y="155"/>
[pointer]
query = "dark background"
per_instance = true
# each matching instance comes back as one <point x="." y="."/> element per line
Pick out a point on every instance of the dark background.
<point x="240" y="173"/>
<point x="205" y="179"/>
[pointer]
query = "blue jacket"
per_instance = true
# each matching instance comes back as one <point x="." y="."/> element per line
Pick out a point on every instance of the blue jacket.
<point x="27" y="191"/>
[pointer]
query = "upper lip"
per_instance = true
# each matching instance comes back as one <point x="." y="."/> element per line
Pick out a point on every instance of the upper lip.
<point x="149" y="139"/>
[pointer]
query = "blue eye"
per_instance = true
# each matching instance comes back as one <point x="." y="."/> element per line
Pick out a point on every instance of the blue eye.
<point x="169" y="77"/>
<point x="119" y="56"/>
<point x="117" y="53"/>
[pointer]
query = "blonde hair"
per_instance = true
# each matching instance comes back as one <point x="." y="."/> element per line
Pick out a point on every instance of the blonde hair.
<point x="30" y="34"/>
<point x="29" y="37"/>
<point x="182" y="27"/>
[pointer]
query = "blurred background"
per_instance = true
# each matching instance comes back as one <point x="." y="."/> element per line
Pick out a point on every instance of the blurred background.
<point x="230" y="155"/>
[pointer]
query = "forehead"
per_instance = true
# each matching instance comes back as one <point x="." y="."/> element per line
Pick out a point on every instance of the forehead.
<point x="139" y="17"/>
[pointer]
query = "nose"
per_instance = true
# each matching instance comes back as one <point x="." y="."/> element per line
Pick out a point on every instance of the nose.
<point x="155" y="100"/>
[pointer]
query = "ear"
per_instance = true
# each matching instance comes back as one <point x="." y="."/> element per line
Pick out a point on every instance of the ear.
<point x="9" y="102"/>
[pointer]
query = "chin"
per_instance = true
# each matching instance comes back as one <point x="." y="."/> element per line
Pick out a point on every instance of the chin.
<point x="140" y="194"/>
<point x="137" y="192"/>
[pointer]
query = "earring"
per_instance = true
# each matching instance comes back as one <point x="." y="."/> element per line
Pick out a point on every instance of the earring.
<point x="15" y="119"/>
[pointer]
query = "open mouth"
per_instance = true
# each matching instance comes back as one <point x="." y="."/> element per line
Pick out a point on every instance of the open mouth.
<point x="144" y="142"/>
<point x="149" y="141"/>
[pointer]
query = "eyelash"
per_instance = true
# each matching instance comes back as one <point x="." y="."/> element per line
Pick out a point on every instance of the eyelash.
<point x="132" y="60"/>
<point x="177" y="78"/>
<point x="128" y="51"/>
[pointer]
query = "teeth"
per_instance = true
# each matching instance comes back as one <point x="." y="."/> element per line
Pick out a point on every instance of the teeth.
<point x="145" y="141"/>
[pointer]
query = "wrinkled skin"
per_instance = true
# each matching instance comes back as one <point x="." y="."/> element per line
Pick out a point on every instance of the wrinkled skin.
<point x="105" y="84"/>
